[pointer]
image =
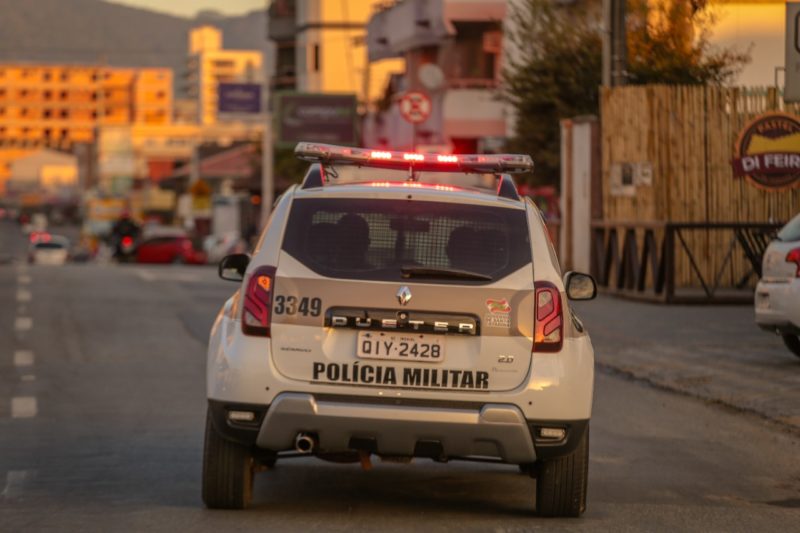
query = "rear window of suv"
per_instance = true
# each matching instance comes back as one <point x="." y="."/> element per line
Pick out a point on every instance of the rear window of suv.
<point x="373" y="239"/>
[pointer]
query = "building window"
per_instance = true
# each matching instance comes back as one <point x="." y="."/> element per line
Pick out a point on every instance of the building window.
<point x="24" y="112"/>
<point x="47" y="95"/>
<point x="23" y="93"/>
<point x="47" y="113"/>
<point x="46" y="76"/>
<point x="63" y="95"/>
<point x="2" y="92"/>
<point x="64" y="76"/>
<point x="64" y="113"/>
<point x="315" y="59"/>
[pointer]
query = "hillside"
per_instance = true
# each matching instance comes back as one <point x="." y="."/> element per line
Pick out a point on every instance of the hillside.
<point x="91" y="31"/>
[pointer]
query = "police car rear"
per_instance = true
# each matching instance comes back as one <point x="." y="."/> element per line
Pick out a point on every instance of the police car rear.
<point x="401" y="318"/>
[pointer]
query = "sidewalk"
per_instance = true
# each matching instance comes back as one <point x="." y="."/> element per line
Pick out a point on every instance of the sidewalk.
<point x="716" y="353"/>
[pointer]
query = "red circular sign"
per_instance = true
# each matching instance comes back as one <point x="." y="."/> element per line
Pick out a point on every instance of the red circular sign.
<point x="768" y="151"/>
<point x="415" y="107"/>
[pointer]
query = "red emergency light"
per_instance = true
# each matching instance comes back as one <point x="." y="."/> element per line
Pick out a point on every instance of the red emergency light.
<point x="329" y="154"/>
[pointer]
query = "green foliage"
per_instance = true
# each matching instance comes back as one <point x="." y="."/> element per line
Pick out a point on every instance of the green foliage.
<point x="668" y="42"/>
<point x="557" y="71"/>
<point x="288" y="169"/>
<point x="556" y="75"/>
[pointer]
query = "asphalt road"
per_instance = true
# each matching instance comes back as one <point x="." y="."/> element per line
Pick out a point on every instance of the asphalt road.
<point x="102" y="410"/>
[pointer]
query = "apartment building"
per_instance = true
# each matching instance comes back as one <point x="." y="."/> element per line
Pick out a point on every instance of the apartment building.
<point x="320" y="47"/>
<point x="209" y="64"/>
<point x="453" y="52"/>
<point x="59" y="106"/>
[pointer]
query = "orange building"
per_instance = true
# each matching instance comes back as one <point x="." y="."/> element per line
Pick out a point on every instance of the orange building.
<point x="57" y="106"/>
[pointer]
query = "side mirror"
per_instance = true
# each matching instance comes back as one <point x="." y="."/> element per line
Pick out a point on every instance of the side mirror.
<point x="232" y="267"/>
<point x="579" y="286"/>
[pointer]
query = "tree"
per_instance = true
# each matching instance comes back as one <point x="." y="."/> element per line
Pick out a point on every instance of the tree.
<point x="556" y="72"/>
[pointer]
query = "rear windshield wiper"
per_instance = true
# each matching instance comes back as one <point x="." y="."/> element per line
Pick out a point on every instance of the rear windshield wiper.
<point x="448" y="273"/>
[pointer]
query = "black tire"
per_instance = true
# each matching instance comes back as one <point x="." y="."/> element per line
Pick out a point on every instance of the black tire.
<point x="228" y="470"/>
<point x="561" y="483"/>
<point x="793" y="343"/>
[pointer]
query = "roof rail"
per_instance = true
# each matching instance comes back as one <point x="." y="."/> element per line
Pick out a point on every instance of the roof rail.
<point x="506" y="188"/>
<point x="315" y="177"/>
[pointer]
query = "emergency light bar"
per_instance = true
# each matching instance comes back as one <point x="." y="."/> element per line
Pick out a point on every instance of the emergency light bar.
<point x="329" y="154"/>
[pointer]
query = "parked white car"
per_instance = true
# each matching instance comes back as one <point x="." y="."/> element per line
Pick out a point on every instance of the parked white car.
<point x="777" y="300"/>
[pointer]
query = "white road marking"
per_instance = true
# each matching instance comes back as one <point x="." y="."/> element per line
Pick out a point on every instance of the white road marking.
<point x="167" y="275"/>
<point x="23" y="407"/>
<point x="23" y="358"/>
<point x="24" y="295"/>
<point x="28" y="377"/>
<point x="23" y="323"/>
<point x="15" y="479"/>
<point x="23" y="279"/>
<point x="146" y="275"/>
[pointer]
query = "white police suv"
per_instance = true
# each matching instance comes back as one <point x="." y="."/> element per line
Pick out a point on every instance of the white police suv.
<point x="394" y="308"/>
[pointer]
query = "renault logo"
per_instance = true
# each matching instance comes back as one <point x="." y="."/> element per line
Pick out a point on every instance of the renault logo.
<point x="404" y="295"/>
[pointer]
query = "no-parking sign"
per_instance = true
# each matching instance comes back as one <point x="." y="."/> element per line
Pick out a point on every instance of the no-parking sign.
<point x="415" y="107"/>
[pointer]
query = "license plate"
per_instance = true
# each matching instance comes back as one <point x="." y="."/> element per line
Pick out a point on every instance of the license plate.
<point x="400" y="347"/>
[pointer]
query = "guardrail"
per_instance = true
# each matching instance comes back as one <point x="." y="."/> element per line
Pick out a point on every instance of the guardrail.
<point x="660" y="261"/>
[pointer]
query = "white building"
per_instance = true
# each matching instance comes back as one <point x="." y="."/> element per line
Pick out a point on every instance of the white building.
<point x="45" y="171"/>
<point x="210" y="64"/>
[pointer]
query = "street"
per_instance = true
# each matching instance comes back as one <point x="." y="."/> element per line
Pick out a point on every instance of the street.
<point x="102" y="406"/>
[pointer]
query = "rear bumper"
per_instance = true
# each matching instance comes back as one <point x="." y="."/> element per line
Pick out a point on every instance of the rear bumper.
<point x="342" y="424"/>
<point x="777" y="306"/>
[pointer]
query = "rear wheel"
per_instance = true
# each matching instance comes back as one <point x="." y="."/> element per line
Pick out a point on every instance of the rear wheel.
<point x="561" y="483"/>
<point x="228" y="469"/>
<point x="793" y="343"/>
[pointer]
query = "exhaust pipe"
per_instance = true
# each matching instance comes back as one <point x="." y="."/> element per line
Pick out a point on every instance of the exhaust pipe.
<point x="304" y="443"/>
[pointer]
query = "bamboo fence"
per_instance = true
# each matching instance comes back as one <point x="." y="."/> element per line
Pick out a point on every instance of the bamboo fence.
<point x="688" y="134"/>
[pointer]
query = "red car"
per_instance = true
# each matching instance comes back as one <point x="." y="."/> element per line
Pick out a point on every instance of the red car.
<point x="169" y="250"/>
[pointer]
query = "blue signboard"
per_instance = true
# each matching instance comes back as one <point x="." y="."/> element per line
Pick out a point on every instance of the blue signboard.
<point x="239" y="98"/>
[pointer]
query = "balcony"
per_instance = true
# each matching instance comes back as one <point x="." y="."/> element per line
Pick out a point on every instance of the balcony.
<point x="472" y="113"/>
<point x="412" y="24"/>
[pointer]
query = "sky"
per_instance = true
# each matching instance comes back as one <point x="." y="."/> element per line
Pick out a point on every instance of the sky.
<point x="188" y="8"/>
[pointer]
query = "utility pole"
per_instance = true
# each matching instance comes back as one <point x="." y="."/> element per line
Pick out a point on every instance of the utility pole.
<point x="615" y="50"/>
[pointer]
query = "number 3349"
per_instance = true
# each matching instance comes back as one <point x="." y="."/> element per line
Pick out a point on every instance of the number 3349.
<point x="292" y="305"/>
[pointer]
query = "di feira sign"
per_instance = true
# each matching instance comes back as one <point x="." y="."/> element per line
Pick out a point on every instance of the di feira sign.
<point x="767" y="152"/>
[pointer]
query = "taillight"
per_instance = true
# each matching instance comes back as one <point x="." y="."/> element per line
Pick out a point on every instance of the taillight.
<point x="794" y="257"/>
<point x="549" y="326"/>
<point x="127" y="241"/>
<point x="257" y="313"/>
